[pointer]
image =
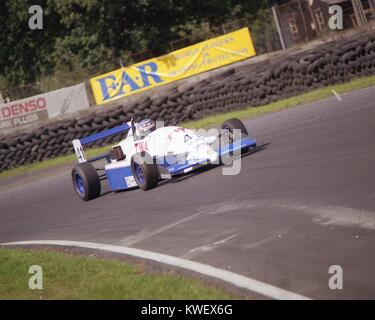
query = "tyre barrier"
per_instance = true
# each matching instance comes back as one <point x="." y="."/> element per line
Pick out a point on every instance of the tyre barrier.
<point x="240" y="87"/>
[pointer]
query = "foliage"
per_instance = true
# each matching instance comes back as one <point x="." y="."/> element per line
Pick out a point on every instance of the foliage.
<point x="82" y="34"/>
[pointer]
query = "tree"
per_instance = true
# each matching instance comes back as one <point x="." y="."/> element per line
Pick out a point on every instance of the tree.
<point x="79" y="34"/>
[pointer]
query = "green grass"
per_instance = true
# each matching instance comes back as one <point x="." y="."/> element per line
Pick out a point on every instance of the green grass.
<point x="77" y="277"/>
<point x="215" y="120"/>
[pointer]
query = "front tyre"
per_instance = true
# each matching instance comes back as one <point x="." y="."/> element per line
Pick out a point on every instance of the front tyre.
<point x="235" y="124"/>
<point x="145" y="171"/>
<point x="86" y="181"/>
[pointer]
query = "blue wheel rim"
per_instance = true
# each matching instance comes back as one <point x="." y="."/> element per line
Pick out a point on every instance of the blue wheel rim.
<point x="78" y="182"/>
<point x="139" y="173"/>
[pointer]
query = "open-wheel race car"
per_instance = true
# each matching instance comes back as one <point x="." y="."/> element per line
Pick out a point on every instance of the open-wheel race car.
<point x="150" y="153"/>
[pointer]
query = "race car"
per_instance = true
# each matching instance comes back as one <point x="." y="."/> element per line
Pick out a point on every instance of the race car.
<point x="150" y="153"/>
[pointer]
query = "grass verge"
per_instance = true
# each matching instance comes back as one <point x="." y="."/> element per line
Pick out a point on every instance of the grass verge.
<point x="77" y="277"/>
<point x="214" y="120"/>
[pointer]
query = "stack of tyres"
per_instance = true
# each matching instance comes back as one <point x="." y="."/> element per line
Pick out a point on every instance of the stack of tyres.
<point x="251" y="85"/>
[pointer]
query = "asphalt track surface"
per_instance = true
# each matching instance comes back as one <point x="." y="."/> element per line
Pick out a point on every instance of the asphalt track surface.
<point x="302" y="204"/>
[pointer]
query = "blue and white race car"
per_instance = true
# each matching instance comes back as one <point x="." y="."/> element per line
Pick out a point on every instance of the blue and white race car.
<point x="150" y="153"/>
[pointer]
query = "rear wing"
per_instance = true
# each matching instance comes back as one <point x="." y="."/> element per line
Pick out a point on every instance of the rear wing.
<point x="79" y="143"/>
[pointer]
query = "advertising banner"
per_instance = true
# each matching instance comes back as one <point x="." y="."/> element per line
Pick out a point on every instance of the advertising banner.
<point x="43" y="106"/>
<point x="204" y="56"/>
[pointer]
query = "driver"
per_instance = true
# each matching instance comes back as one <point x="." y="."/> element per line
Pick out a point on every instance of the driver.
<point x="145" y="127"/>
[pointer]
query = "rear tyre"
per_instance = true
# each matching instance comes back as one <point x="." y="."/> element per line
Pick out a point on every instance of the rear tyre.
<point x="145" y="171"/>
<point x="86" y="181"/>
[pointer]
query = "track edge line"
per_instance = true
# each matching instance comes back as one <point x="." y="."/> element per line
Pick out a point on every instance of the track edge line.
<point x="235" y="279"/>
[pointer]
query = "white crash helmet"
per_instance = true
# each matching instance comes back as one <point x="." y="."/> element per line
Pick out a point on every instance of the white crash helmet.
<point x="145" y="127"/>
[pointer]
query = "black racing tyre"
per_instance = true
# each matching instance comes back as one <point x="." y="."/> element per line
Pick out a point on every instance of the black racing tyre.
<point x="68" y="123"/>
<point x="13" y="141"/>
<point x="154" y="108"/>
<point x="174" y="95"/>
<point x="86" y="181"/>
<point x="233" y="124"/>
<point x="26" y="137"/>
<point x="172" y="103"/>
<point x="116" y="112"/>
<point x="159" y="101"/>
<point x="145" y="171"/>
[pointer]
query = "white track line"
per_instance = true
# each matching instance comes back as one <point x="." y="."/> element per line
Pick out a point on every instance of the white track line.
<point x="238" y="280"/>
<point x="338" y="97"/>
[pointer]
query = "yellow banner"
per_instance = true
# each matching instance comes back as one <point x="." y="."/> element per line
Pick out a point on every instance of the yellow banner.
<point x="204" y="56"/>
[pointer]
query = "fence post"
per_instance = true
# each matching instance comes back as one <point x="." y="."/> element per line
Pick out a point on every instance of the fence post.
<point x="359" y="13"/>
<point x="278" y="27"/>
<point x="372" y="7"/>
<point x="307" y="36"/>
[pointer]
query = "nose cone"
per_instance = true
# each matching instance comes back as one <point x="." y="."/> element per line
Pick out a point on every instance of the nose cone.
<point x="213" y="157"/>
